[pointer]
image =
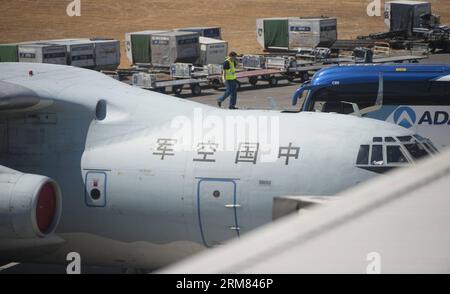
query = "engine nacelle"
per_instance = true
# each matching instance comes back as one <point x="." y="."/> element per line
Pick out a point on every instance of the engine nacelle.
<point x="30" y="205"/>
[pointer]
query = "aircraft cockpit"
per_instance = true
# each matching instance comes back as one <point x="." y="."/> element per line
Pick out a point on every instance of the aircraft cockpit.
<point x="385" y="153"/>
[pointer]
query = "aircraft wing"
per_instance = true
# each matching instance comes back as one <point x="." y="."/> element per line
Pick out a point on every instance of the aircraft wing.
<point x="30" y="87"/>
<point x="12" y="250"/>
<point x="16" y="98"/>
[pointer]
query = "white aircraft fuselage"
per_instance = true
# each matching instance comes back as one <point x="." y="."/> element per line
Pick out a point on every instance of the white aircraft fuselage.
<point x="132" y="195"/>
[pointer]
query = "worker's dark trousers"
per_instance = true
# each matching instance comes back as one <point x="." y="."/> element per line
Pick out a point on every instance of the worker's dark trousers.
<point x="231" y="90"/>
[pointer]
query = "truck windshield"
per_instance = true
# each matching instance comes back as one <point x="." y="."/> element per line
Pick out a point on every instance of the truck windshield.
<point x="329" y="98"/>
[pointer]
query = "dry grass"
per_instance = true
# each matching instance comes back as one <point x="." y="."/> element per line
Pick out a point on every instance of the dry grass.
<point x="25" y="20"/>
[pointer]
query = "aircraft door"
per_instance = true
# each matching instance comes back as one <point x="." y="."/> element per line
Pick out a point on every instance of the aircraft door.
<point x="217" y="204"/>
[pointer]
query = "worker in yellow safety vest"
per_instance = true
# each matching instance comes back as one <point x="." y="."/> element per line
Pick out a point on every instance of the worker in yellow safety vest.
<point x="229" y="77"/>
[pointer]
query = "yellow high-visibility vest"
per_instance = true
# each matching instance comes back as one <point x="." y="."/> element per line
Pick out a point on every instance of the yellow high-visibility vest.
<point x="230" y="74"/>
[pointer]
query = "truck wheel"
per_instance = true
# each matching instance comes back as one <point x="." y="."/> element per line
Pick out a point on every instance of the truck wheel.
<point x="253" y="81"/>
<point x="177" y="90"/>
<point x="216" y="84"/>
<point x="273" y="81"/>
<point x="304" y="76"/>
<point x="266" y="77"/>
<point x="161" y="90"/>
<point x="196" y="89"/>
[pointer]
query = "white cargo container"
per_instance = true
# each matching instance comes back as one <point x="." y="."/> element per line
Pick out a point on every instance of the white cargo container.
<point x="80" y="52"/>
<point x="42" y="53"/>
<point x="138" y="46"/>
<point x="212" y="51"/>
<point x="290" y="33"/>
<point x="405" y="15"/>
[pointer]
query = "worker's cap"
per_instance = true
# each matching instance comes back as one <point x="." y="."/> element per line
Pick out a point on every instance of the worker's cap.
<point x="232" y="54"/>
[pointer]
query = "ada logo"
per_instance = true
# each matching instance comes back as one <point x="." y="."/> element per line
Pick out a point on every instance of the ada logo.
<point x="405" y="116"/>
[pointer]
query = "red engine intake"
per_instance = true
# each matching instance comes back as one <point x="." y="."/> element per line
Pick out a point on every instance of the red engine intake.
<point x="30" y="205"/>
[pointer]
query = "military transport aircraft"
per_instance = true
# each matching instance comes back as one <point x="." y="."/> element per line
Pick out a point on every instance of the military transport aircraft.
<point x="131" y="178"/>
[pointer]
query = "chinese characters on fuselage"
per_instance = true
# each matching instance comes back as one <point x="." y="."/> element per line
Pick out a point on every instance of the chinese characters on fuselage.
<point x="206" y="151"/>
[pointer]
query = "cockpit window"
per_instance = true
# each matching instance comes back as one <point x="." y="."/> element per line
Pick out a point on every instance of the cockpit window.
<point x="378" y="139"/>
<point x="419" y="137"/>
<point x="416" y="150"/>
<point x="363" y="155"/>
<point x="384" y="153"/>
<point x="428" y="144"/>
<point x="377" y="155"/>
<point x="405" y="138"/>
<point x="395" y="155"/>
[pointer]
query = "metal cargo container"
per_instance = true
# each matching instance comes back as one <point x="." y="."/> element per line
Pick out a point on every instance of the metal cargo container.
<point x="214" y="69"/>
<point x="8" y="53"/>
<point x="212" y="51"/>
<point x="293" y="32"/>
<point x="174" y="47"/>
<point x="80" y="52"/>
<point x="181" y="70"/>
<point x="312" y="32"/>
<point x="107" y="53"/>
<point x="280" y="62"/>
<point x="406" y="15"/>
<point x="253" y="61"/>
<point x="208" y="32"/>
<point x="143" y="80"/>
<point x="138" y="46"/>
<point x="42" y="53"/>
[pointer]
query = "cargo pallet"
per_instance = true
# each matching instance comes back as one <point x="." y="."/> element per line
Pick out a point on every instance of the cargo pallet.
<point x="272" y="76"/>
<point x="196" y="80"/>
<point x="177" y="85"/>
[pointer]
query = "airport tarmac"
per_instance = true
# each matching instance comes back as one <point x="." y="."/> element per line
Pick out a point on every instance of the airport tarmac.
<point x="249" y="97"/>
